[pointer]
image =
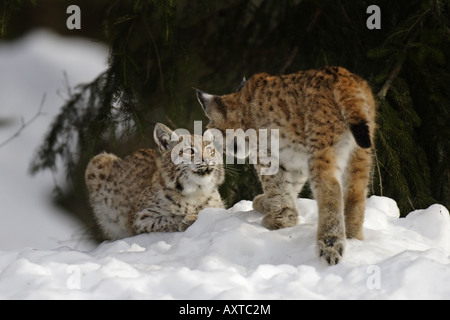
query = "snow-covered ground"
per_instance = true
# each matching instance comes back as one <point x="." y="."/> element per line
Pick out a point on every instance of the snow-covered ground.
<point x="225" y="254"/>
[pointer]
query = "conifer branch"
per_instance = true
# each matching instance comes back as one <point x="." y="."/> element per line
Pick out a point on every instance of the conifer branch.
<point x="3" y="20"/>
<point x="295" y="51"/>
<point x="387" y="85"/>
<point x="395" y="72"/>
<point x="158" y="59"/>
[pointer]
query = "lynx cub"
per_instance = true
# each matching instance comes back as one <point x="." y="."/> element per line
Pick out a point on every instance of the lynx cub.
<point x="326" y="123"/>
<point x="146" y="192"/>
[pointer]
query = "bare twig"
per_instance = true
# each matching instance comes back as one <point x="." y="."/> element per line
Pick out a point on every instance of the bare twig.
<point x="387" y="85"/>
<point x="290" y="60"/>
<point x="398" y="67"/>
<point x="25" y="124"/>
<point x="377" y="162"/>
<point x="411" y="203"/>
<point x="67" y="89"/>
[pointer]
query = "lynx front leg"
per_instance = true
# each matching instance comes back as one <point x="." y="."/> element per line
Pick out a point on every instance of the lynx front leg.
<point x="278" y="200"/>
<point x="355" y="196"/>
<point x="149" y="220"/>
<point x="187" y="221"/>
<point x="327" y="191"/>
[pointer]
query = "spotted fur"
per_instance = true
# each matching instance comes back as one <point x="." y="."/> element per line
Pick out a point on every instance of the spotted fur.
<point x="148" y="192"/>
<point x="326" y="123"/>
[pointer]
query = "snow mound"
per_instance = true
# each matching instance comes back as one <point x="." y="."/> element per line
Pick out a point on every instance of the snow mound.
<point x="30" y="68"/>
<point x="227" y="254"/>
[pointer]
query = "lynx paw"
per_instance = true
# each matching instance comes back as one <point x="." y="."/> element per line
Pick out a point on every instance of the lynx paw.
<point x="331" y="250"/>
<point x="187" y="222"/>
<point x="265" y="205"/>
<point x="286" y="218"/>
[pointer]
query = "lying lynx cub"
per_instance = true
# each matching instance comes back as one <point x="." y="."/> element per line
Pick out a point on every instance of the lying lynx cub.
<point x="326" y="123"/>
<point x="146" y="192"/>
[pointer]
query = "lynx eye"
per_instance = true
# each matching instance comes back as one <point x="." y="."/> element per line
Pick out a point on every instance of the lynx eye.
<point x="210" y="151"/>
<point x="189" y="151"/>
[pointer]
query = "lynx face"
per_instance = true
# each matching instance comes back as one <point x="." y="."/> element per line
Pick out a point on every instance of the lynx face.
<point x="195" y="155"/>
<point x="189" y="160"/>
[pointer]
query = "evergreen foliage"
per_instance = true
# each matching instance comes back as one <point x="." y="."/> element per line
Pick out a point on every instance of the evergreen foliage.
<point x="161" y="49"/>
<point x="7" y="7"/>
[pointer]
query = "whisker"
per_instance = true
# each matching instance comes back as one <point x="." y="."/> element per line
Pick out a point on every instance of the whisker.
<point x="232" y="170"/>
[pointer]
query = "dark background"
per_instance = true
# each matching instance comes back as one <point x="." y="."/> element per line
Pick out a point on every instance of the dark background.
<point x="161" y="49"/>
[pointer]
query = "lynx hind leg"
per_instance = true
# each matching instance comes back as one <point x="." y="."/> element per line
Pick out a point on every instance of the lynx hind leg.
<point x="98" y="171"/>
<point x="278" y="200"/>
<point x="358" y="176"/>
<point x="102" y="198"/>
<point x="327" y="191"/>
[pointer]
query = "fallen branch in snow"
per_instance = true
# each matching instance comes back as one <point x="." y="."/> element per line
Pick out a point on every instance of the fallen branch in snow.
<point x="25" y="124"/>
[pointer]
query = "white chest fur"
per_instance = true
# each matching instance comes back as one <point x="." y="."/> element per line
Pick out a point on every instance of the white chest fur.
<point x="293" y="157"/>
<point x="196" y="185"/>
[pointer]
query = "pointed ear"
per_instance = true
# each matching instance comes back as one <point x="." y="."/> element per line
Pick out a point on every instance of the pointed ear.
<point x="241" y="86"/>
<point x="163" y="137"/>
<point x="212" y="105"/>
<point x="206" y="100"/>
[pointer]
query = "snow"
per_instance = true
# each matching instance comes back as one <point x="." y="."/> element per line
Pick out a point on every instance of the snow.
<point x="225" y="254"/>
<point x="228" y="254"/>
<point x="29" y="68"/>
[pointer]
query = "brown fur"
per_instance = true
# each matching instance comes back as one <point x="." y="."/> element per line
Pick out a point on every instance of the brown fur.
<point x="326" y="121"/>
<point x="148" y="192"/>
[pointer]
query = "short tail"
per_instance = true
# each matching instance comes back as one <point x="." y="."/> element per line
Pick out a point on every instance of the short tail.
<point x="357" y="104"/>
<point x="361" y="133"/>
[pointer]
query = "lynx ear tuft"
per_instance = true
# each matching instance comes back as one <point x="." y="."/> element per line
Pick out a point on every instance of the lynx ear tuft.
<point x="162" y="135"/>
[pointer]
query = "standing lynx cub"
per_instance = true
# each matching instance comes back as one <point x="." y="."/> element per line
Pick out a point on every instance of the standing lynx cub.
<point x="326" y="123"/>
<point x="146" y="192"/>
